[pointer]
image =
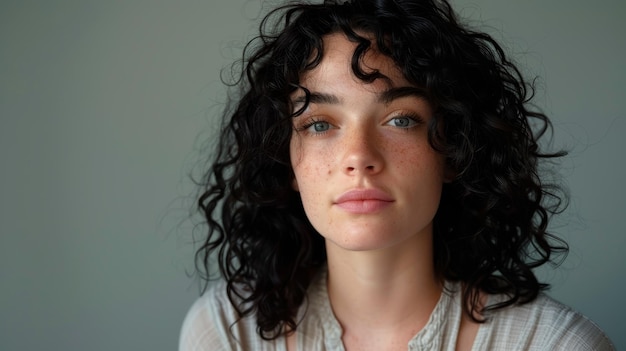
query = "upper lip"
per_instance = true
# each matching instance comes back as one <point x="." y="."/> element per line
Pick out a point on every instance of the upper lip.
<point x="364" y="194"/>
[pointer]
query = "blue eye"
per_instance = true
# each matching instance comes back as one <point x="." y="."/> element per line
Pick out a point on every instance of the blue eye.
<point x="402" y="122"/>
<point x="314" y="126"/>
<point x="319" y="127"/>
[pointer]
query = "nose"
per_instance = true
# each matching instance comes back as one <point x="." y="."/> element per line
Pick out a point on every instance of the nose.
<point x="361" y="153"/>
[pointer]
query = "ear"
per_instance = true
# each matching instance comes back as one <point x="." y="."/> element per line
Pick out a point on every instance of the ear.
<point x="294" y="184"/>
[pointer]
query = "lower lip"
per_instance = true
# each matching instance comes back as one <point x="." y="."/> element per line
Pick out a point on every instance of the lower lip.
<point x="364" y="206"/>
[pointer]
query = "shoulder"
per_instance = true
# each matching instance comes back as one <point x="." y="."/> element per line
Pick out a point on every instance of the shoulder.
<point x="206" y="323"/>
<point x="212" y="323"/>
<point x="543" y="324"/>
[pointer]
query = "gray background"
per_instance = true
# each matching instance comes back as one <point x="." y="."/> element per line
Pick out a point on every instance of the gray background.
<point x="104" y="107"/>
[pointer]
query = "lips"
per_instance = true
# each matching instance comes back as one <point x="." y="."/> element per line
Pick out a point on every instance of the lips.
<point x="363" y="201"/>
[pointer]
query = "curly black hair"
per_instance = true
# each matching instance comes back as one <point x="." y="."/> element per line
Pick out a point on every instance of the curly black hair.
<point x="490" y="230"/>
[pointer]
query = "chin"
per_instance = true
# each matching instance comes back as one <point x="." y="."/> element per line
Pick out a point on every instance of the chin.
<point x="364" y="242"/>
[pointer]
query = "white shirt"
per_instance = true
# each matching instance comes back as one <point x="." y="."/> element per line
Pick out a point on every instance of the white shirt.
<point x="543" y="324"/>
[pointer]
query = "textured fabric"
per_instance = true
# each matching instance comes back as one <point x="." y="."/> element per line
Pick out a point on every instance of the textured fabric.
<point x="543" y="324"/>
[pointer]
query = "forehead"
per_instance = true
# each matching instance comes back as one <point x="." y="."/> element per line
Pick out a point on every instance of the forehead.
<point x="337" y="59"/>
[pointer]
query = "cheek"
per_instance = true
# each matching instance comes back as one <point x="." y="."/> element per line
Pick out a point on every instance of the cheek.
<point x="311" y="168"/>
<point x="313" y="173"/>
<point x="312" y="179"/>
<point x="421" y="162"/>
<point x="407" y="159"/>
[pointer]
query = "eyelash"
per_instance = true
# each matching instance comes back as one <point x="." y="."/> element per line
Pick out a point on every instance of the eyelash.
<point x="414" y="117"/>
<point x="310" y="123"/>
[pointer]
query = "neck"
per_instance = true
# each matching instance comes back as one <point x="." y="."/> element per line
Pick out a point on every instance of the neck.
<point x="390" y="289"/>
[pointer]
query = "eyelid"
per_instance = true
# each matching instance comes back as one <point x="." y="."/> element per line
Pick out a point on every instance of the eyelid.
<point x="309" y="122"/>
<point x="413" y="116"/>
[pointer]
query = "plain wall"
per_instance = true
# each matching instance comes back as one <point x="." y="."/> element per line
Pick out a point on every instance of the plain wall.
<point x="104" y="107"/>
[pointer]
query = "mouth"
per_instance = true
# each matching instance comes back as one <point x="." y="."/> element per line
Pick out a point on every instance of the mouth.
<point x="362" y="201"/>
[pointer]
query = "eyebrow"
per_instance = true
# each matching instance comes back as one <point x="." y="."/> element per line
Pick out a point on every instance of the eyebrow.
<point x="318" y="98"/>
<point x="392" y="94"/>
<point x="385" y="97"/>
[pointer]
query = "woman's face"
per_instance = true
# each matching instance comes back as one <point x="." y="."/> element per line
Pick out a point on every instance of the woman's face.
<point x="367" y="176"/>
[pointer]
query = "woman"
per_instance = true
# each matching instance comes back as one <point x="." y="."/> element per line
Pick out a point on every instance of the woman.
<point x="376" y="187"/>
